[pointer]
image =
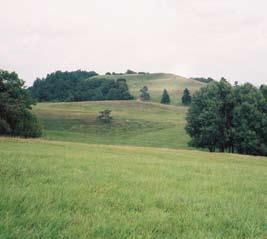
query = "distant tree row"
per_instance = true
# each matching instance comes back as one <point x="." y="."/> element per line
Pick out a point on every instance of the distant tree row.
<point x="165" y="98"/>
<point x="16" y="118"/>
<point x="229" y="118"/>
<point x="78" y="86"/>
<point x="202" y="79"/>
<point x="128" y="72"/>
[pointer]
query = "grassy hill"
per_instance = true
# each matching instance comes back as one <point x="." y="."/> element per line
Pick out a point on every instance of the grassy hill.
<point x="157" y="83"/>
<point x="72" y="190"/>
<point x="134" y="123"/>
<point x="133" y="178"/>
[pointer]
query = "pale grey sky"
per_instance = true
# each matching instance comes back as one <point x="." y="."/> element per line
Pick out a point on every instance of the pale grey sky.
<point x="187" y="37"/>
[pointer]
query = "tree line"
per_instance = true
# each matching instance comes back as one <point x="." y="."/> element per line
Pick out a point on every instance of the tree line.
<point x="78" y="86"/>
<point x="16" y="118"/>
<point x="229" y="118"/>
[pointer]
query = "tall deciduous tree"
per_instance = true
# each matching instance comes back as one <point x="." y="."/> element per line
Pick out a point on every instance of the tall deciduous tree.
<point x="15" y="105"/>
<point x="223" y="117"/>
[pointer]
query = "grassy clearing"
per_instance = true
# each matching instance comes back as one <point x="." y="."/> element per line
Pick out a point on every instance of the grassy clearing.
<point x="157" y="83"/>
<point x="135" y="123"/>
<point x="71" y="190"/>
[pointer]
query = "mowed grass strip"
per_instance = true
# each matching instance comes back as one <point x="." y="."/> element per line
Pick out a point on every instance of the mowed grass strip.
<point x="134" y="123"/>
<point x="71" y="190"/>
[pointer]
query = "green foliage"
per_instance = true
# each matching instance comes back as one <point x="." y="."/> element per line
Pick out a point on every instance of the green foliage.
<point x="263" y="89"/>
<point x="228" y="118"/>
<point x="186" y="98"/>
<point x="15" y="105"/>
<point x="130" y="72"/>
<point x="165" y="99"/>
<point x="202" y="79"/>
<point x="79" y="86"/>
<point x="105" y="116"/>
<point x="144" y="94"/>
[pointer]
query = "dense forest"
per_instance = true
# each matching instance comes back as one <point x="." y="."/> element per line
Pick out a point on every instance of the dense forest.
<point x="229" y="118"/>
<point x="16" y="119"/>
<point x="78" y="86"/>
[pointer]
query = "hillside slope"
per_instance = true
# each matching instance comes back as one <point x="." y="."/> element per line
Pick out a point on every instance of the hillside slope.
<point x="157" y="82"/>
<point x="134" y="123"/>
<point x="72" y="190"/>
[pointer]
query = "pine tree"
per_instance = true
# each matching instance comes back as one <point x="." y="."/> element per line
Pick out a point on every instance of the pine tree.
<point x="144" y="94"/>
<point x="165" y="99"/>
<point x="186" y="98"/>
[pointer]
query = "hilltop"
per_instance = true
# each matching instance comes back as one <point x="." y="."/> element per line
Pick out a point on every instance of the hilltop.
<point x="157" y="82"/>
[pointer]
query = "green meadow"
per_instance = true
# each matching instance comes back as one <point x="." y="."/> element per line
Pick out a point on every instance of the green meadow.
<point x="55" y="189"/>
<point x="134" y="123"/>
<point x="133" y="178"/>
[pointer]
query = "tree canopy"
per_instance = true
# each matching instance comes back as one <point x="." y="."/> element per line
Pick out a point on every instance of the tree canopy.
<point x="144" y="94"/>
<point x="223" y="117"/>
<point x="202" y="79"/>
<point x="79" y="86"/>
<point x="165" y="99"/>
<point x="15" y="104"/>
<point x="186" y="98"/>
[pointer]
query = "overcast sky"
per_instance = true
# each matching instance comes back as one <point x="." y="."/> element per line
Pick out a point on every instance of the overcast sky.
<point x="187" y="37"/>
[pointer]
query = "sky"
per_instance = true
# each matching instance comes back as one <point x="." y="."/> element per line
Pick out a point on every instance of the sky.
<point x="191" y="38"/>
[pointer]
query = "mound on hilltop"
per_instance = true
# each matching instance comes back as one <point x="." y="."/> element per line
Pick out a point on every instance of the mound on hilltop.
<point x="156" y="83"/>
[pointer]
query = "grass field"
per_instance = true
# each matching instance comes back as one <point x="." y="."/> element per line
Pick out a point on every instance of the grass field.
<point x="157" y="83"/>
<point x="134" y="123"/>
<point x="72" y="190"/>
<point x="133" y="178"/>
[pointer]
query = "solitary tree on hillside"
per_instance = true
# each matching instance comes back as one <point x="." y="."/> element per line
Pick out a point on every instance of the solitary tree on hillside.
<point x="165" y="99"/>
<point x="105" y="116"/>
<point x="144" y="94"/>
<point x="186" y="98"/>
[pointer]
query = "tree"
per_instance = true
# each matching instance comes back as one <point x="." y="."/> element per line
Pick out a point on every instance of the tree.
<point x="223" y="117"/>
<point x="130" y="72"/>
<point x="15" y="104"/>
<point x="209" y="117"/>
<point x="249" y="120"/>
<point x="165" y="99"/>
<point x="105" y="116"/>
<point x="263" y="90"/>
<point x="202" y="79"/>
<point x="144" y="94"/>
<point x="186" y="98"/>
<point x="79" y="86"/>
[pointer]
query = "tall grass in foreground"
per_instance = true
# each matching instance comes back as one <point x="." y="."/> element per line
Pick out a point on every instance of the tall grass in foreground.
<point x="68" y="190"/>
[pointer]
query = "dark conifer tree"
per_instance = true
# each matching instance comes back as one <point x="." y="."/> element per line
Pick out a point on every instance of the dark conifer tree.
<point x="186" y="98"/>
<point x="144" y="94"/>
<point x="165" y="99"/>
